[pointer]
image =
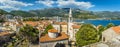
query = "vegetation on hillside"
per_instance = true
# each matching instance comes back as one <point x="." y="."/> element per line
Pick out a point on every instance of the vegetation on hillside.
<point x="31" y="19"/>
<point x="63" y="12"/>
<point x="108" y="14"/>
<point x="3" y="12"/>
<point x="50" y="12"/>
<point x="22" y="13"/>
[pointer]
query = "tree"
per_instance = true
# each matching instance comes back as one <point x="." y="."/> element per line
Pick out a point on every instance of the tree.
<point x="47" y="28"/>
<point x="30" y="33"/>
<point x="110" y="25"/>
<point x="101" y="29"/>
<point x="87" y="34"/>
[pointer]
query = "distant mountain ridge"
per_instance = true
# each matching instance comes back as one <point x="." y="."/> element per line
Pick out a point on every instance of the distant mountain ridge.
<point x="63" y="12"/>
<point x="108" y="14"/>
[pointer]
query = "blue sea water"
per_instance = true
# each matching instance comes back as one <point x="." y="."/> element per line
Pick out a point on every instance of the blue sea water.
<point x="99" y="22"/>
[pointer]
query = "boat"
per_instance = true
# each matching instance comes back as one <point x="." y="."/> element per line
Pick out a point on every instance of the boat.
<point x="82" y="22"/>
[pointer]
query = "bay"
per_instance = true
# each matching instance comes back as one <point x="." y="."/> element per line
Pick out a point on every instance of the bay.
<point x="99" y="22"/>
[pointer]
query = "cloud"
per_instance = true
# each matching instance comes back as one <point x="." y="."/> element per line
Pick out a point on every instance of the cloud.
<point x="13" y="4"/>
<point x="66" y="4"/>
<point x="8" y="7"/>
<point x="46" y="2"/>
<point x="74" y="4"/>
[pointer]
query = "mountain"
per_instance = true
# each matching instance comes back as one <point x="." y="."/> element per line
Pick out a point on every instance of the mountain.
<point x="63" y="12"/>
<point x="3" y="12"/>
<point x="108" y="14"/>
<point x="21" y="13"/>
<point x="49" y="12"/>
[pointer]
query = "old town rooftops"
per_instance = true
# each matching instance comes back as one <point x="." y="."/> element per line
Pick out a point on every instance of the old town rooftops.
<point x="3" y="33"/>
<point x="31" y="23"/>
<point x="61" y="23"/>
<point x="35" y="23"/>
<point x="46" y="38"/>
<point x="76" y="26"/>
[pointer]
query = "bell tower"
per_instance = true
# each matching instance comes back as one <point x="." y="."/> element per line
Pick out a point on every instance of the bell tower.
<point x="70" y="29"/>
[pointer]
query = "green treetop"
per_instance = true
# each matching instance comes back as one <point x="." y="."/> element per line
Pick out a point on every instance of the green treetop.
<point x="47" y="28"/>
<point x="87" y="34"/>
<point x="110" y="25"/>
<point x="29" y="32"/>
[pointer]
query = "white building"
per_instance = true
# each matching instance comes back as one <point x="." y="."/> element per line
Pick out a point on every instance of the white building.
<point x="111" y="34"/>
<point x="53" y="33"/>
<point x="70" y="29"/>
<point x="75" y="30"/>
<point x="57" y="27"/>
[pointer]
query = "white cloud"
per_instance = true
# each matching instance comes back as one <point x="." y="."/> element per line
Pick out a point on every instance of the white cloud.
<point x="46" y="2"/>
<point x="74" y="4"/>
<point x="8" y="7"/>
<point x="67" y="4"/>
<point x="12" y="4"/>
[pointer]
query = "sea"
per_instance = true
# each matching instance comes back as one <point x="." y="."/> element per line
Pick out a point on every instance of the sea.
<point x="98" y="22"/>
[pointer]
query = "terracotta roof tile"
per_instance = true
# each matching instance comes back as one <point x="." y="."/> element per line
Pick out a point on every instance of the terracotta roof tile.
<point x="4" y="33"/>
<point x="52" y="30"/>
<point x="46" y="38"/>
<point x="57" y="23"/>
<point x="32" y="23"/>
<point x="63" y="23"/>
<point x="116" y="29"/>
<point x="76" y="26"/>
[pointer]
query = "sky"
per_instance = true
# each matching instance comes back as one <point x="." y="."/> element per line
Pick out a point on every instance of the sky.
<point x="92" y="5"/>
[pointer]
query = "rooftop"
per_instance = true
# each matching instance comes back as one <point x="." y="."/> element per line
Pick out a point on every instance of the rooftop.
<point x="32" y="23"/>
<point x="52" y="30"/>
<point x="35" y="23"/>
<point x="63" y="23"/>
<point x="46" y="38"/>
<point x="60" y="23"/>
<point x="116" y="29"/>
<point x="76" y="26"/>
<point x="3" y="33"/>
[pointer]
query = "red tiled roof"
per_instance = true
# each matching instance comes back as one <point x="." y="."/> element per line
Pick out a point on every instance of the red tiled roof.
<point x="52" y="30"/>
<point x="116" y="29"/>
<point x="32" y="23"/>
<point x="4" y="33"/>
<point x="76" y="26"/>
<point x="58" y="23"/>
<point x="63" y="23"/>
<point x="46" y="38"/>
